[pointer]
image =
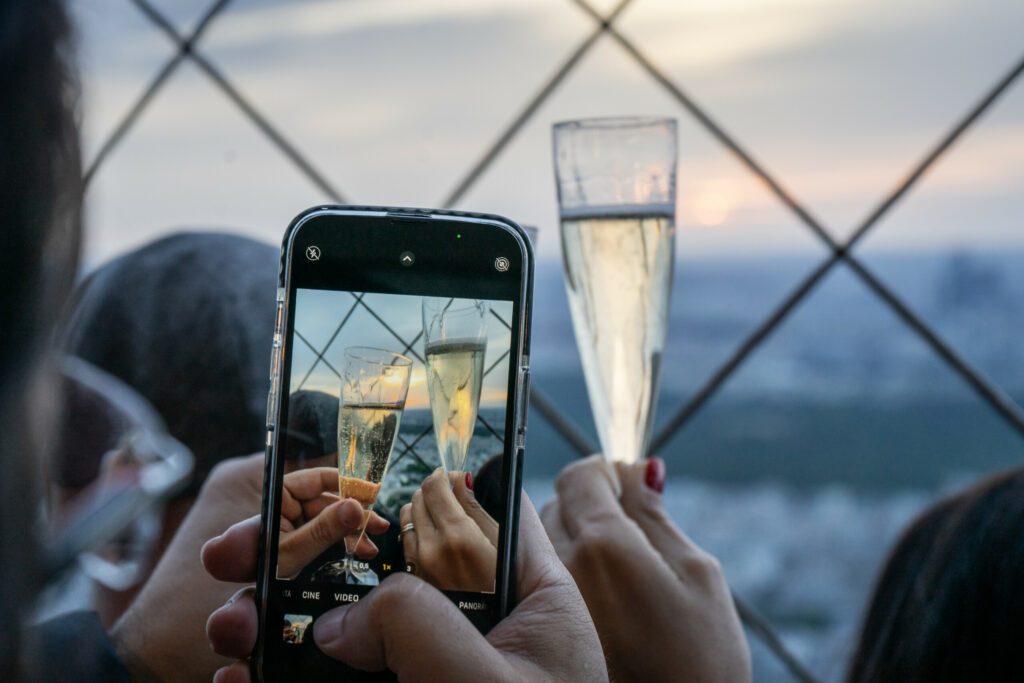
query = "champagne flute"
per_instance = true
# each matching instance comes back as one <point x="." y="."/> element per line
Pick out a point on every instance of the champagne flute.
<point x="455" y="337"/>
<point x="374" y="387"/>
<point x="616" y="181"/>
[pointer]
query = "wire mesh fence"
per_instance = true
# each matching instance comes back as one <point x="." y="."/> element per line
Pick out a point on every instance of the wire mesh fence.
<point x="187" y="47"/>
<point x="408" y="446"/>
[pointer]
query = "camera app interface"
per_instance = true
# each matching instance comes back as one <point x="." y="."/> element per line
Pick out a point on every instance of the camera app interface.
<point x="393" y="443"/>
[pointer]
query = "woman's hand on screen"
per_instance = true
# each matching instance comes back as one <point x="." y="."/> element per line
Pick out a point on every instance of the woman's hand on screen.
<point x="313" y="519"/>
<point x="448" y="547"/>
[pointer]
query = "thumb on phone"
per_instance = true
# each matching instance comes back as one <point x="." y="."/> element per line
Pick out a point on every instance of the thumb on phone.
<point x="409" y="627"/>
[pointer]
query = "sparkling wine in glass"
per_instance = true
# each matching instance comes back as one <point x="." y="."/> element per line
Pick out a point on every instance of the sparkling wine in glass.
<point x="616" y="180"/>
<point x="374" y="386"/>
<point x="455" y="334"/>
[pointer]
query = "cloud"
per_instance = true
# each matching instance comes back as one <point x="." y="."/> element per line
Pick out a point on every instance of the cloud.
<point x="395" y="101"/>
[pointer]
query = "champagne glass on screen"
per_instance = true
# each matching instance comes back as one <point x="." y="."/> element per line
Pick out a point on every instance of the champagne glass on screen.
<point x="455" y="335"/>
<point x="374" y="385"/>
<point x="616" y="181"/>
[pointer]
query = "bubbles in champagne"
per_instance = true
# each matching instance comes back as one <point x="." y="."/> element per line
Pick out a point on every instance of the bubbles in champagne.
<point x="455" y="373"/>
<point x="366" y="434"/>
<point x="618" y="274"/>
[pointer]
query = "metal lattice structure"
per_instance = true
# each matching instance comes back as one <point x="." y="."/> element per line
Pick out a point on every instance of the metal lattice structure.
<point x="605" y="26"/>
<point x="410" y="447"/>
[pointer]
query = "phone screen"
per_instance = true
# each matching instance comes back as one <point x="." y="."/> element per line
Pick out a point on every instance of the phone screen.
<point x="402" y="355"/>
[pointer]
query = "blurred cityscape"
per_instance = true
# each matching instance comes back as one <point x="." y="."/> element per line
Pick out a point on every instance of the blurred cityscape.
<point x="844" y="392"/>
<point x="802" y="471"/>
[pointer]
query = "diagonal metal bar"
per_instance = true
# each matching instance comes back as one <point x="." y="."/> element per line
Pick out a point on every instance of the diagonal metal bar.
<point x="504" y="322"/>
<point x="492" y="430"/>
<point x="995" y="398"/>
<point x="268" y="129"/>
<point x="988" y="391"/>
<point x="497" y="361"/>
<point x="763" y="629"/>
<point x="499" y="145"/>
<point x="565" y="426"/>
<point x="968" y="120"/>
<point x="321" y="352"/>
<point x="410" y="449"/>
<point x="710" y="125"/>
<point x="135" y="111"/>
<point x="419" y="437"/>
<point x="839" y="251"/>
<point x="408" y="345"/>
<point x="753" y="619"/>
<point x="319" y="357"/>
<point x="748" y="346"/>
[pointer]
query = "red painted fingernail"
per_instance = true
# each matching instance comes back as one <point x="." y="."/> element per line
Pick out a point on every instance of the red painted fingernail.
<point x="469" y="480"/>
<point x="654" y="477"/>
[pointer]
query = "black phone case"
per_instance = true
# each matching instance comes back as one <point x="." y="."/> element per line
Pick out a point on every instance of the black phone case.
<point x="521" y="400"/>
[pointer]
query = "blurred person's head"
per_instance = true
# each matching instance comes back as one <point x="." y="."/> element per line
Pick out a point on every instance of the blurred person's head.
<point x="187" y="321"/>
<point x="39" y="219"/>
<point x="311" y="435"/>
<point x="949" y="604"/>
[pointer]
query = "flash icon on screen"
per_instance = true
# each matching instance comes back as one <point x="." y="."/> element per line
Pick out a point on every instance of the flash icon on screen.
<point x="313" y="253"/>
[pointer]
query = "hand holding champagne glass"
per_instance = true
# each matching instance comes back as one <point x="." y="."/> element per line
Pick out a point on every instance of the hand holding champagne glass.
<point x="374" y="387"/>
<point x="455" y="334"/>
<point x="616" y="183"/>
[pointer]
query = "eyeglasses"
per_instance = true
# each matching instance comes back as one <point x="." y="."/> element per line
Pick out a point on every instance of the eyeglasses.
<point x="112" y="525"/>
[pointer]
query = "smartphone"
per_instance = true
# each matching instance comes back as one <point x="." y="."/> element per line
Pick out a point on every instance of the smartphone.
<point x="401" y="346"/>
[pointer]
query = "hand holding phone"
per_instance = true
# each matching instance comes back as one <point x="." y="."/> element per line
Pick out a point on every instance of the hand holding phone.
<point x="412" y="629"/>
<point x="399" y="377"/>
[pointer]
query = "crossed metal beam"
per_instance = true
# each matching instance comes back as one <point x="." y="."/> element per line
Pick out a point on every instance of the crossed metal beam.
<point x="409" y="347"/>
<point x="604" y="24"/>
<point x="997" y="399"/>
<point x="186" y="48"/>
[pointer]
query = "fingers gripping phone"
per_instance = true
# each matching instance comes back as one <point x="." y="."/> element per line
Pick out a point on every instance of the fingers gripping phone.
<point x="396" y="419"/>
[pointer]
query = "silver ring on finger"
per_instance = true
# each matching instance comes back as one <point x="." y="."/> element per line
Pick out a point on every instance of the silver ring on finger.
<point x="407" y="529"/>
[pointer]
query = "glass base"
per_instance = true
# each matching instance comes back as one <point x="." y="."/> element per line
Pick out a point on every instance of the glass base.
<point x="352" y="572"/>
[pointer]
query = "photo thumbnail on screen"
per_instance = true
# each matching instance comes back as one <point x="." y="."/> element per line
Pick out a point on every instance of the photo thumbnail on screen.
<point x="295" y="627"/>
<point x="399" y="403"/>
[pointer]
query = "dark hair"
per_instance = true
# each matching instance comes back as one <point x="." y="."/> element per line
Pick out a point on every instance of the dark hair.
<point x="188" y="322"/>
<point x="487" y="487"/>
<point x="39" y="215"/>
<point x="949" y="605"/>
<point x="312" y="429"/>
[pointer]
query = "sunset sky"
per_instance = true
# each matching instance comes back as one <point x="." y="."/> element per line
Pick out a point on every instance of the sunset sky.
<point x="318" y="313"/>
<point x="395" y="100"/>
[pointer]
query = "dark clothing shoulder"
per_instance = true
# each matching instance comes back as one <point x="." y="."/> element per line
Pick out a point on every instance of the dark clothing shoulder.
<point x="74" y="647"/>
